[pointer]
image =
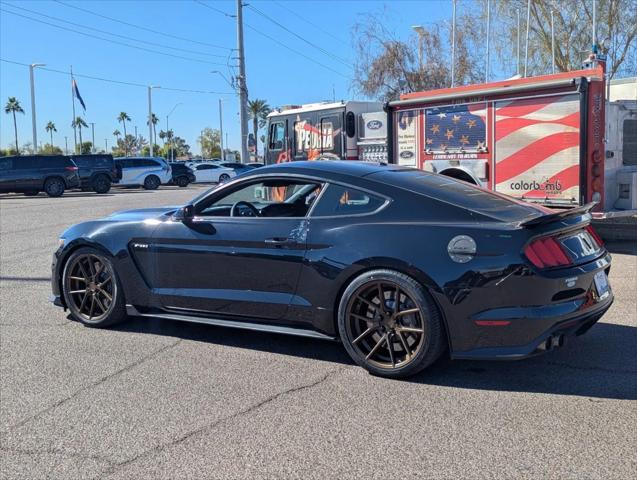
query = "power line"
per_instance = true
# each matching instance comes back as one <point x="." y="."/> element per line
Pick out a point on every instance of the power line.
<point x="109" y="80"/>
<point x="295" y="51"/>
<point x="313" y="45"/>
<point x="274" y="40"/>
<point x="113" y="34"/>
<point x="318" y="27"/>
<point x="141" y="27"/>
<point x="110" y="40"/>
<point x="218" y="10"/>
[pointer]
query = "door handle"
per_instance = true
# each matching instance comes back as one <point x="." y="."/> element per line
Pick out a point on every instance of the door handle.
<point x="277" y="241"/>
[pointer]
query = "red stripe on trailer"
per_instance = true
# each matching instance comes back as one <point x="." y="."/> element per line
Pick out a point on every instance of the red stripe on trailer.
<point x="507" y="126"/>
<point x="534" y="153"/>
<point x="568" y="178"/>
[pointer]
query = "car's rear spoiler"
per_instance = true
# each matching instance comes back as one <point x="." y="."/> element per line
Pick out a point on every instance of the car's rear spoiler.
<point x="552" y="217"/>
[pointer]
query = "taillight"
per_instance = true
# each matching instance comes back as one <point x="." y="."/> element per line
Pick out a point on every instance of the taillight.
<point x="595" y="235"/>
<point x="71" y="169"/>
<point x="546" y="252"/>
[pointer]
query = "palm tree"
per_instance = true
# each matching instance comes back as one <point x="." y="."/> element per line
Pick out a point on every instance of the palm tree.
<point x="79" y="123"/>
<point x="13" y="106"/>
<point x="50" y="127"/>
<point x="155" y="120"/>
<point x="258" y="110"/>
<point x="162" y="136"/>
<point x="123" y="118"/>
<point x="116" y="134"/>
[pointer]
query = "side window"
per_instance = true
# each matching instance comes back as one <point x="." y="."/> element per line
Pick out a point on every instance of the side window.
<point x="629" y="146"/>
<point x="277" y="134"/>
<point x="270" y="198"/>
<point x="340" y="200"/>
<point x="6" y="163"/>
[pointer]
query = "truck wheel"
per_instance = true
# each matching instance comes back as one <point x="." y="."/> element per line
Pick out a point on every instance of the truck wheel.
<point x="101" y="184"/>
<point x="182" y="181"/>
<point x="54" y="187"/>
<point x="151" y="182"/>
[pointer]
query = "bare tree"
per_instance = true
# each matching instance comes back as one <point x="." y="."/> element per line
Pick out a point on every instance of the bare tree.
<point x="616" y="27"/>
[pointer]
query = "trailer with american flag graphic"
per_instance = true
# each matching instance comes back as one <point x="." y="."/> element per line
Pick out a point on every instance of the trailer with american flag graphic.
<point x="540" y="139"/>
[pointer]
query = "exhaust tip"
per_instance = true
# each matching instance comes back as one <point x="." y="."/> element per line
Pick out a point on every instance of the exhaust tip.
<point x="561" y="340"/>
<point x="548" y="345"/>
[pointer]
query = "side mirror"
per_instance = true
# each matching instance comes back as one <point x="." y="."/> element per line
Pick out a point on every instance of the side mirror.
<point x="185" y="213"/>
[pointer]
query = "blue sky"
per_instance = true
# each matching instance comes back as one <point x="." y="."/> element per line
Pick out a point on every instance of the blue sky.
<point x="274" y="73"/>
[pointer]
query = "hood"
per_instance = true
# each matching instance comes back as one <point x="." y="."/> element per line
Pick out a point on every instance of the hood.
<point x="157" y="213"/>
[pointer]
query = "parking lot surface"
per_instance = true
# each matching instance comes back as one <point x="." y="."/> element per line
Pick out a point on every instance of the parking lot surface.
<point x="158" y="399"/>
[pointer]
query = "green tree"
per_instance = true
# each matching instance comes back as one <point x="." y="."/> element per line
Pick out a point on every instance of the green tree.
<point x="210" y="141"/>
<point x="123" y="118"/>
<point x="13" y="106"/>
<point x="154" y="120"/>
<point x="79" y="123"/>
<point x="50" y="127"/>
<point x="86" y="148"/>
<point x="50" y="149"/>
<point x="258" y="110"/>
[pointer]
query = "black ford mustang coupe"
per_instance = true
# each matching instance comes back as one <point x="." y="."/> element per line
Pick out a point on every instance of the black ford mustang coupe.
<point x="397" y="263"/>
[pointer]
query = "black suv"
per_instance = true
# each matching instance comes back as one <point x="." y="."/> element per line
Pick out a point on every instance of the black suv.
<point x="181" y="174"/>
<point x="97" y="172"/>
<point x="31" y="174"/>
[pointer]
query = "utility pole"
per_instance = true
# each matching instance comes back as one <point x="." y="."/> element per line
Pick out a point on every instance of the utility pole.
<point x="170" y="139"/>
<point x="552" y="43"/>
<point x="517" y="70"/>
<point x="66" y="145"/>
<point x="486" y="67"/>
<point x="421" y="34"/>
<point x="453" y="44"/>
<point x="223" y="157"/>
<point x="73" y="123"/>
<point x="526" y="46"/>
<point x="33" y="122"/>
<point x="243" y="89"/>
<point x="594" y="23"/>
<point x="106" y="145"/>
<point x="92" y="137"/>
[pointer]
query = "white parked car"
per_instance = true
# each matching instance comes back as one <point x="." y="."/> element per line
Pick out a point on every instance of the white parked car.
<point x="211" y="172"/>
<point x="149" y="172"/>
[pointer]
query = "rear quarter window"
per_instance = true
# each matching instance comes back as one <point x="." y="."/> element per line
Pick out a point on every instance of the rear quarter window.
<point x="338" y="200"/>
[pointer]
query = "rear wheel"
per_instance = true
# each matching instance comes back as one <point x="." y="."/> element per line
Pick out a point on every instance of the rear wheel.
<point x="151" y="182"/>
<point x="91" y="289"/>
<point x="182" y="181"/>
<point x="389" y="325"/>
<point x="101" y="184"/>
<point x="224" y="177"/>
<point x="54" y="187"/>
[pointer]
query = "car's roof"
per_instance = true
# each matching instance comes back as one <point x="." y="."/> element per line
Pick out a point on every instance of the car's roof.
<point x="338" y="167"/>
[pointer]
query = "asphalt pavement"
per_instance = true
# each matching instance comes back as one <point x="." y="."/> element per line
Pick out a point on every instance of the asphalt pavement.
<point x="153" y="399"/>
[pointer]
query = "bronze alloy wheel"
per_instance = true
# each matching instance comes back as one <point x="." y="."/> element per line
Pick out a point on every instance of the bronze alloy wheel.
<point x="90" y="287"/>
<point x="385" y="325"/>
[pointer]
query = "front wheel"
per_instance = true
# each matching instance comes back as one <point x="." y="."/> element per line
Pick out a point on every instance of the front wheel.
<point x="151" y="182"/>
<point x="389" y="325"/>
<point x="54" y="187"/>
<point x="91" y="289"/>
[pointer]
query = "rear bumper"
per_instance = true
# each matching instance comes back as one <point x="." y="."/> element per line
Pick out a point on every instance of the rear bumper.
<point x="570" y="319"/>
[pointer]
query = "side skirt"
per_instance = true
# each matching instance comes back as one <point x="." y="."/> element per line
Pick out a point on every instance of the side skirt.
<point x="219" y="322"/>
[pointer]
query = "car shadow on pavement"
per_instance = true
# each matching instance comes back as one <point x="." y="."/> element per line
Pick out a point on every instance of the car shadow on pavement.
<point x="601" y="364"/>
<point x="625" y="247"/>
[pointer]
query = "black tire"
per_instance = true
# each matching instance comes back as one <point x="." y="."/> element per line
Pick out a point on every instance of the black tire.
<point x="79" y="294"/>
<point x="54" y="187"/>
<point x="224" y="177"/>
<point x="182" y="181"/>
<point x="377" y="324"/>
<point x="30" y="193"/>
<point x="152" y="182"/>
<point x="101" y="184"/>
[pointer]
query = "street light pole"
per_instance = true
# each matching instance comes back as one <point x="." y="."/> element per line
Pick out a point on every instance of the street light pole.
<point x="66" y="145"/>
<point x="223" y="157"/>
<point x="453" y="44"/>
<point x="150" y="117"/>
<point x="92" y="137"/>
<point x="106" y="144"/>
<point x="170" y="139"/>
<point x="33" y="121"/>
